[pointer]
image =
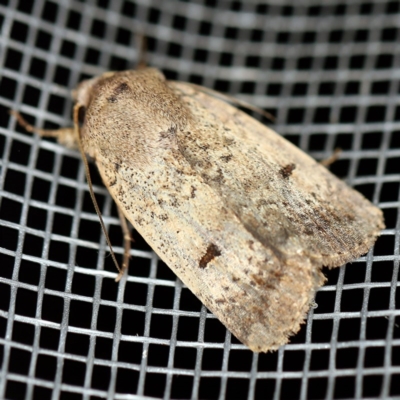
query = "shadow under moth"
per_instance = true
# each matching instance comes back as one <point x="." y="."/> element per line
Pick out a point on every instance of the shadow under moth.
<point x="244" y="218"/>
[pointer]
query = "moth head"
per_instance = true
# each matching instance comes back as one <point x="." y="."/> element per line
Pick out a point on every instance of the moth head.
<point x="83" y="93"/>
<point x="129" y="114"/>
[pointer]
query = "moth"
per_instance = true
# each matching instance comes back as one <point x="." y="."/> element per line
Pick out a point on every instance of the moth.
<point x="243" y="217"/>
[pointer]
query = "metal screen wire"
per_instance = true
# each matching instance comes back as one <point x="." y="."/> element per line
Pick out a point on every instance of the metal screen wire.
<point x="328" y="70"/>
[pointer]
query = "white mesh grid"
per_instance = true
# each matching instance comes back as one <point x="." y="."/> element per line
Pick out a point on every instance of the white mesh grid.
<point x="329" y="71"/>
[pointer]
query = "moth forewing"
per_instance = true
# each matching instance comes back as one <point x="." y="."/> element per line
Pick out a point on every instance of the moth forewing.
<point x="245" y="219"/>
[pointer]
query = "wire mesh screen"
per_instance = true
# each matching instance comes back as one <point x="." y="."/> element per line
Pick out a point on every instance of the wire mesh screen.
<point x="328" y="70"/>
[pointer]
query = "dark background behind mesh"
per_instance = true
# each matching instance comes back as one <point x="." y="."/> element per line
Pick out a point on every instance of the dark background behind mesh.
<point x="328" y="70"/>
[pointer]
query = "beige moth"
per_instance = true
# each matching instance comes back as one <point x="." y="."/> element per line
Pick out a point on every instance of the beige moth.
<point x="243" y="217"/>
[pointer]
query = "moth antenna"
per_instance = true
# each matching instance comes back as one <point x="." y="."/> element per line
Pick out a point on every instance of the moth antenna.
<point x="127" y="243"/>
<point x="142" y="53"/>
<point x="89" y="180"/>
<point x="233" y="100"/>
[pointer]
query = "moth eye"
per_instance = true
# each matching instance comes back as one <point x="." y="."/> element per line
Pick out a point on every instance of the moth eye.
<point x="81" y="115"/>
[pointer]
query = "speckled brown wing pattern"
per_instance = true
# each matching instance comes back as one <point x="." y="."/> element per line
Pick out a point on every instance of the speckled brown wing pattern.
<point x="245" y="219"/>
<point x="285" y="198"/>
<point x="258" y="297"/>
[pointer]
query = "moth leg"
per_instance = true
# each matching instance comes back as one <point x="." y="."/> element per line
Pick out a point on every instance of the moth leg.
<point x="127" y="244"/>
<point x="332" y="158"/>
<point x="142" y="52"/>
<point x="64" y="136"/>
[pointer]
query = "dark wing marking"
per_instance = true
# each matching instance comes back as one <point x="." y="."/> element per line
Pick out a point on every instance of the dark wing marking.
<point x="288" y="201"/>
